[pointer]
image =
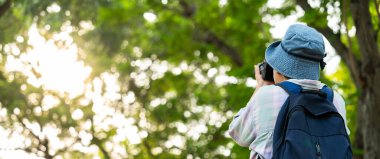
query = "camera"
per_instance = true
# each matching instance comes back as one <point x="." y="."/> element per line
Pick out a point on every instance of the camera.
<point x="266" y="71"/>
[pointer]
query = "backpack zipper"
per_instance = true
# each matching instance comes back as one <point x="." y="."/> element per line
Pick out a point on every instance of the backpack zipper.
<point x="318" y="151"/>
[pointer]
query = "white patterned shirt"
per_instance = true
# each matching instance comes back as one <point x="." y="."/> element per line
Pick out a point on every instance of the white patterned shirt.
<point x="253" y="125"/>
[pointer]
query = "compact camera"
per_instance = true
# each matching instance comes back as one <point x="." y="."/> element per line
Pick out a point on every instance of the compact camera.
<point x="266" y="71"/>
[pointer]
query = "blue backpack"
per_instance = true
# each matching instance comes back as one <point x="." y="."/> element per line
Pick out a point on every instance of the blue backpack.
<point x="308" y="126"/>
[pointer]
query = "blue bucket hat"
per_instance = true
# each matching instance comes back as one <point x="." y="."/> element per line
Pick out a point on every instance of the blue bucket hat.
<point x="299" y="54"/>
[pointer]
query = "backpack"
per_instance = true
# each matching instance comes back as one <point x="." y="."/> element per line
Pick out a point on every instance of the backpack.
<point x="308" y="126"/>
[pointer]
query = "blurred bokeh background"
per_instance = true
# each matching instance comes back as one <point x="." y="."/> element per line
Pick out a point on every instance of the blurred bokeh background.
<point x="147" y="79"/>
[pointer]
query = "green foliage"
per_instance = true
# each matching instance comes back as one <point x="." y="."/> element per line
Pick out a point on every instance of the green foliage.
<point x="178" y="85"/>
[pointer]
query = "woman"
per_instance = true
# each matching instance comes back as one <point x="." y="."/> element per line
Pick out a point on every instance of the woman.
<point x="298" y="59"/>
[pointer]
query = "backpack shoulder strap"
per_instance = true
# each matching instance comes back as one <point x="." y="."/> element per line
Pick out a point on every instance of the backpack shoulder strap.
<point x="280" y="126"/>
<point x="329" y="92"/>
<point x="290" y="87"/>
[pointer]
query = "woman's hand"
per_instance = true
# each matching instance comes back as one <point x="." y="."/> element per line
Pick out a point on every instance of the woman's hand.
<point x="260" y="81"/>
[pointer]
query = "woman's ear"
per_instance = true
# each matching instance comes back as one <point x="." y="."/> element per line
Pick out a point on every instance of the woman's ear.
<point x="278" y="77"/>
<point x="276" y="73"/>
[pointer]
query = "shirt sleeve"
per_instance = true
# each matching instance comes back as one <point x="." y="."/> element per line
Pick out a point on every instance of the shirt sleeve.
<point x="242" y="127"/>
<point x="258" y="116"/>
<point x="341" y="107"/>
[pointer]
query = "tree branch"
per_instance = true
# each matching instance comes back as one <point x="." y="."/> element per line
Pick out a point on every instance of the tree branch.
<point x="26" y="127"/>
<point x="213" y="39"/>
<point x="378" y="17"/>
<point x="148" y="148"/>
<point x="5" y="7"/>
<point x="66" y="148"/>
<point x="366" y="35"/>
<point x="96" y="141"/>
<point x="41" y="142"/>
<point x="188" y="10"/>
<point x="45" y="143"/>
<point x="210" y="37"/>
<point x="304" y="5"/>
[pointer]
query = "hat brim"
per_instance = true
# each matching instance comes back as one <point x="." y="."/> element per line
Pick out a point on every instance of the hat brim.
<point x="290" y="66"/>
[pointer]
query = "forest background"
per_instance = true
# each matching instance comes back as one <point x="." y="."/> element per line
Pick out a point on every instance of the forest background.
<point x="163" y="78"/>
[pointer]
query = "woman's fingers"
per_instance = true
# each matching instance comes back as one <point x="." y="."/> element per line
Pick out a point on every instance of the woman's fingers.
<point x="258" y="76"/>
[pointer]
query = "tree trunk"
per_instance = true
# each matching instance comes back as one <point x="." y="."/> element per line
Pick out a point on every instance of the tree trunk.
<point x="371" y="114"/>
<point x="5" y="7"/>
<point x="359" y="143"/>
<point x="370" y="69"/>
